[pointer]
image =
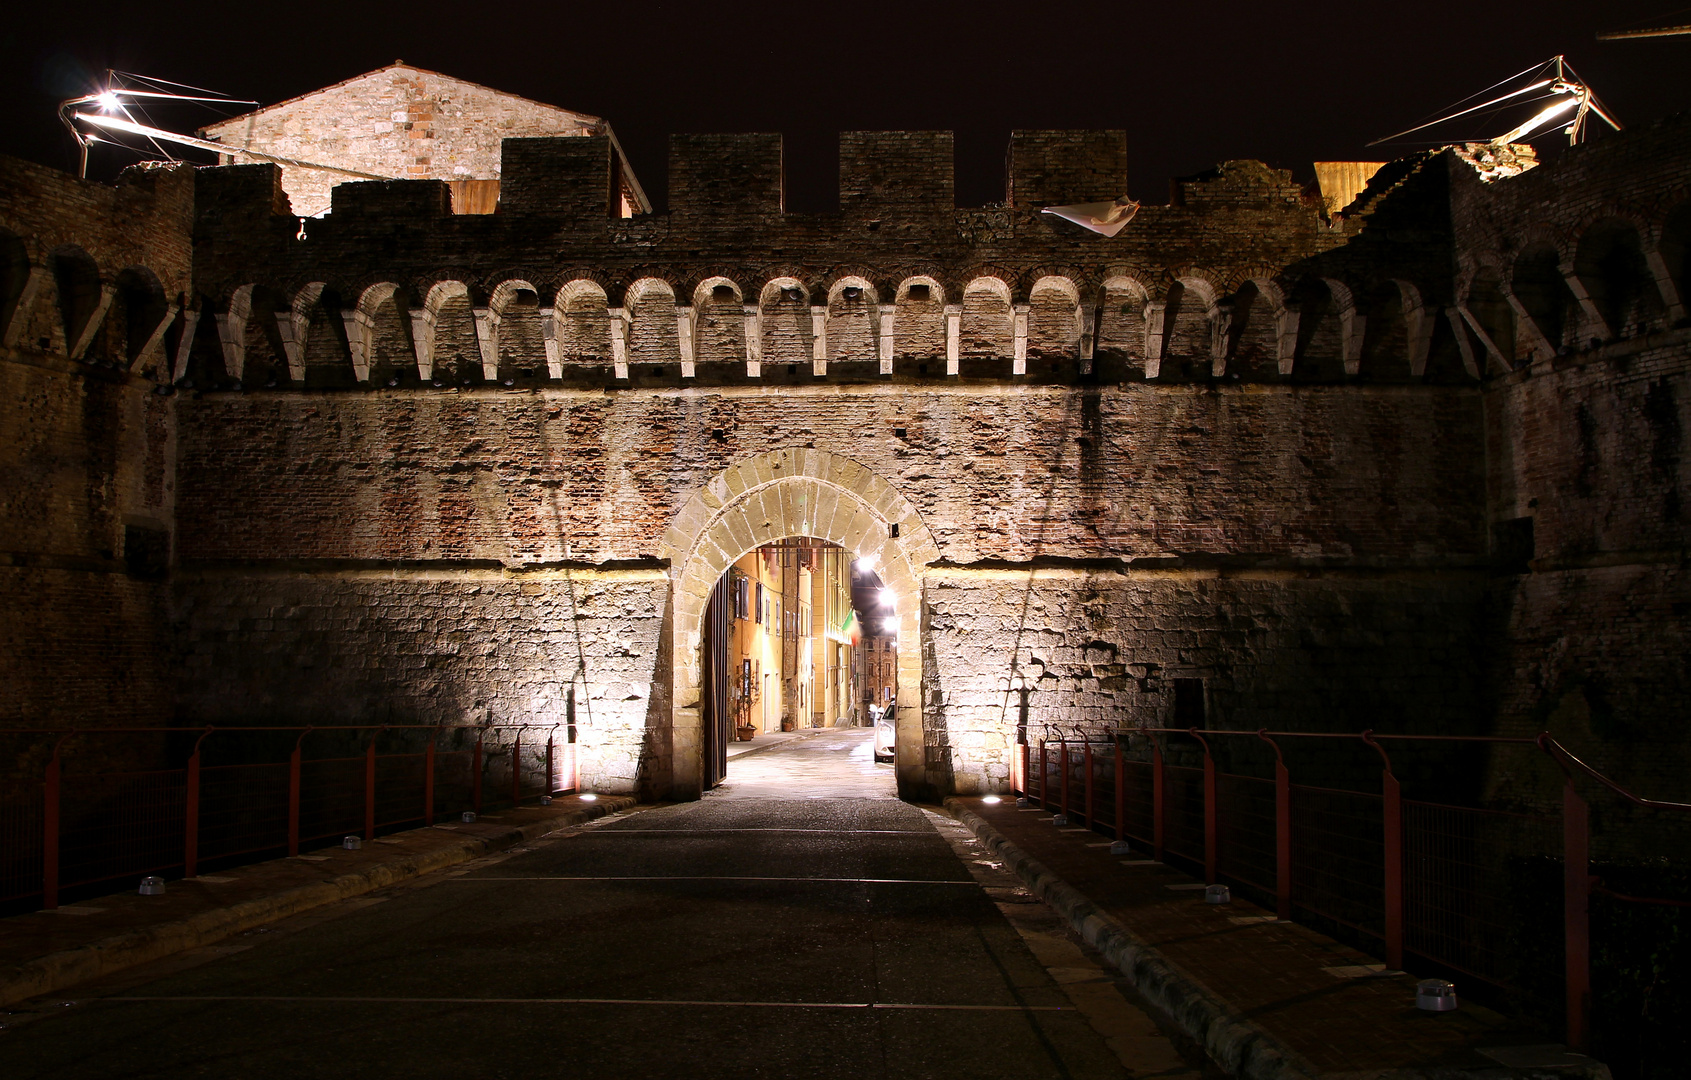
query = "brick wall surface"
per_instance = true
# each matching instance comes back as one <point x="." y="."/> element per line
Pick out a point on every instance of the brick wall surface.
<point x="1586" y="441"/>
<point x="440" y="645"/>
<point x="87" y="449"/>
<point x="400" y="122"/>
<point x="1282" y="475"/>
<point x="1287" y="452"/>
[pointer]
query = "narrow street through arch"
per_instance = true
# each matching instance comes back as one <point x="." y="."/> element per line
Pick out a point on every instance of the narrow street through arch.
<point x="832" y="763"/>
<point x="799" y="921"/>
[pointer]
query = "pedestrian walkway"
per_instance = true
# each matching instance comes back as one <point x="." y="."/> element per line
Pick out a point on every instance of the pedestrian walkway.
<point x="49" y="950"/>
<point x="1267" y="998"/>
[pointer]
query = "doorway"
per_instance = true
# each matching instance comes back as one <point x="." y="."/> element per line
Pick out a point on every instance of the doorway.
<point x="787" y="635"/>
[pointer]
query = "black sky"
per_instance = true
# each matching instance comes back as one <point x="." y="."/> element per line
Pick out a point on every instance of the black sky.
<point x="1192" y="84"/>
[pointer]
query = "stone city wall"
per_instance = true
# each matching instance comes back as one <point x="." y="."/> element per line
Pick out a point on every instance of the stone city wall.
<point x="1100" y="649"/>
<point x="89" y="273"/>
<point x="497" y="491"/>
<point x="1579" y="273"/>
<point x="1421" y="461"/>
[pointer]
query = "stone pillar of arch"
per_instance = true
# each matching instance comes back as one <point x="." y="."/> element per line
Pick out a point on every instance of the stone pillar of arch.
<point x="760" y="500"/>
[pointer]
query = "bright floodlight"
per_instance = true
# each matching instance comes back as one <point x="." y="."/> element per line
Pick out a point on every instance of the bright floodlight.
<point x="886" y="597"/>
<point x="108" y="102"/>
<point x="890" y="626"/>
<point x="991" y="800"/>
<point x="864" y="565"/>
<point x="590" y="798"/>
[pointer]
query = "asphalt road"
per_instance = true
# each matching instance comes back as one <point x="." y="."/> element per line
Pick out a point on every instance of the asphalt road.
<point x="817" y="928"/>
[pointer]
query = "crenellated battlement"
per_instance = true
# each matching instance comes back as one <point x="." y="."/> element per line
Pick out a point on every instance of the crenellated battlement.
<point x="1242" y="277"/>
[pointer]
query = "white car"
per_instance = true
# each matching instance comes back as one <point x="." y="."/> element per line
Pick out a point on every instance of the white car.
<point x="883" y="732"/>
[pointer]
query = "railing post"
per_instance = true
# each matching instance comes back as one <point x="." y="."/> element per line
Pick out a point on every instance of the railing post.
<point x="475" y="777"/>
<point x="1121" y="791"/>
<point x="1576" y="913"/>
<point x="191" y="813"/>
<point x="551" y="777"/>
<point x="1086" y="754"/>
<point x="1282" y="831"/>
<point x="428" y="781"/>
<point x="1063" y="786"/>
<point x="1394" y="873"/>
<point x="50" y="831"/>
<point x="1044" y="780"/>
<point x="1209" y="808"/>
<point x="1027" y="765"/>
<point x="293" y="795"/>
<point x="1391" y="802"/>
<point x="1282" y="841"/>
<point x="517" y="768"/>
<point x="370" y="788"/>
<point x="1159" y="792"/>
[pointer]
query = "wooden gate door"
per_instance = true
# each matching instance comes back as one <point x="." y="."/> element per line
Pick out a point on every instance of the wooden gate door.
<point x="718" y="724"/>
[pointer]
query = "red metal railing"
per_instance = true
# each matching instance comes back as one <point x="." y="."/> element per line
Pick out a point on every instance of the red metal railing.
<point x="1408" y="876"/>
<point x="76" y="829"/>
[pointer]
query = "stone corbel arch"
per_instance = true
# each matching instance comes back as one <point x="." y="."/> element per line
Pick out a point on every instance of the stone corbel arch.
<point x="763" y="499"/>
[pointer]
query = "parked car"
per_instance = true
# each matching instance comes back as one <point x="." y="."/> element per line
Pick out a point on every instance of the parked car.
<point x="883" y="732"/>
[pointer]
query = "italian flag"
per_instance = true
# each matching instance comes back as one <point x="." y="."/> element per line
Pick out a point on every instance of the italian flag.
<point x="851" y="629"/>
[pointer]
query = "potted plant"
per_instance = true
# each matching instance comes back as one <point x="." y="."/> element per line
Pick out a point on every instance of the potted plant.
<point x="745" y="694"/>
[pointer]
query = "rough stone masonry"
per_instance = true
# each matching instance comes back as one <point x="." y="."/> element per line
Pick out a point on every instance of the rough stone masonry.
<point x="1416" y="465"/>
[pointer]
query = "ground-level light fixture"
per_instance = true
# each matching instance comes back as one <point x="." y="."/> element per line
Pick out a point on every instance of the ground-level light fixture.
<point x="590" y="798"/>
<point x="1435" y="995"/>
<point x="992" y="800"/>
<point x="352" y="843"/>
<point x="152" y="885"/>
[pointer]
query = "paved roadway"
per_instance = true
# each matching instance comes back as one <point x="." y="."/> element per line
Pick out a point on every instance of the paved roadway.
<point x="799" y="921"/>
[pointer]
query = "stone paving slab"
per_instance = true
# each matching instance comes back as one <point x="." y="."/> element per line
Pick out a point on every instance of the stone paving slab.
<point x="1268" y="1000"/>
<point x="831" y="763"/>
<point x="545" y="959"/>
<point x="51" y="950"/>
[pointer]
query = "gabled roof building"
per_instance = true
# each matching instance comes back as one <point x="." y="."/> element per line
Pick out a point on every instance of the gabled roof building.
<point x="405" y="123"/>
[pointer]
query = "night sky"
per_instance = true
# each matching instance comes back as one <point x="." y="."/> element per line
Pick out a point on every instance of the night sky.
<point x="1192" y="84"/>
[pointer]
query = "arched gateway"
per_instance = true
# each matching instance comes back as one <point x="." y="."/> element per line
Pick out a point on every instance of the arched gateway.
<point x="764" y="499"/>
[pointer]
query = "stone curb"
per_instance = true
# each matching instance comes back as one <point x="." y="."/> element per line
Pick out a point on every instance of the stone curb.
<point x="59" y="970"/>
<point x="1237" y="1045"/>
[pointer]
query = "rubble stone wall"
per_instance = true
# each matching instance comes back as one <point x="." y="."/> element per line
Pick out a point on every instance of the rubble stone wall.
<point x="400" y="122"/>
<point x="511" y="486"/>
<point x="1590" y="483"/>
<point x="87" y="447"/>
<point x="1418" y="466"/>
